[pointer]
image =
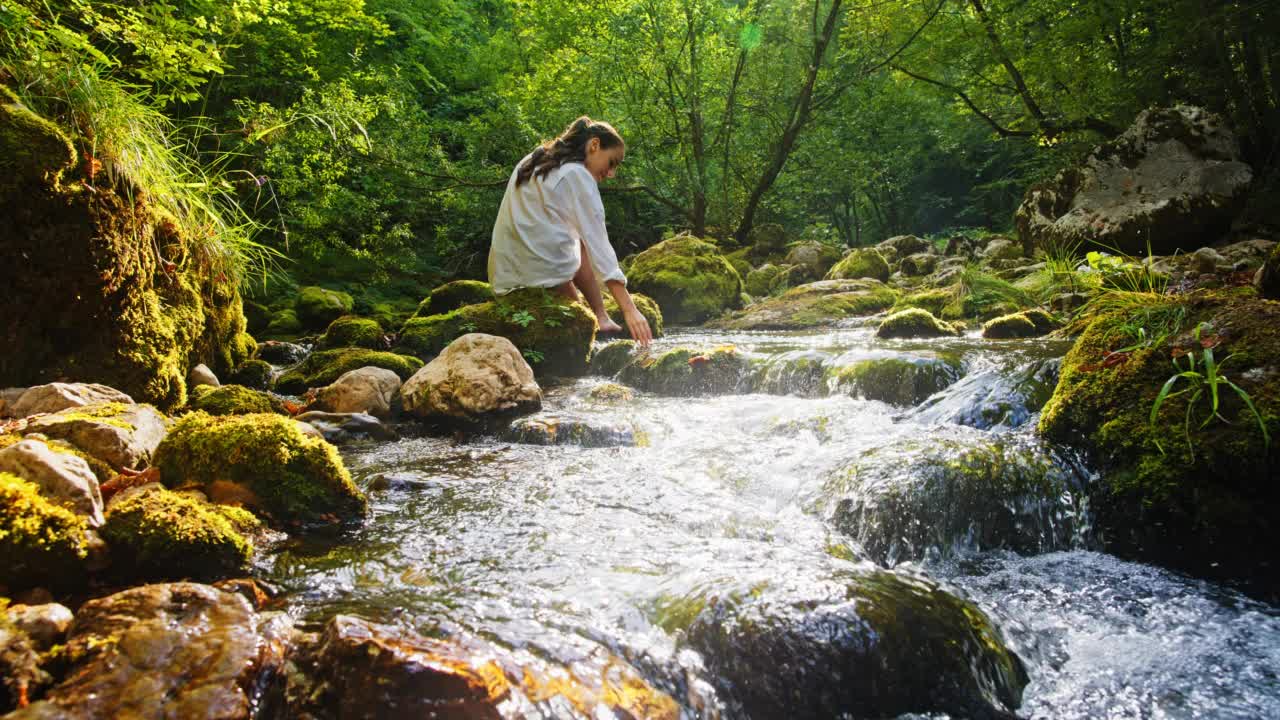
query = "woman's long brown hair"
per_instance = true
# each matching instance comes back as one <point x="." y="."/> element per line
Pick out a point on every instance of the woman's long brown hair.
<point x="570" y="146"/>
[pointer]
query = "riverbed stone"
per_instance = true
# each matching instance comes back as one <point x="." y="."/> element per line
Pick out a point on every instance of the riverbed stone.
<point x="342" y="427"/>
<point x="324" y="367"/>
<point x="178" y="650"/>
<point x="123" y="435"/>
<point x="864" y="643"/>
<point x="899" y="379"/>
<point x="691" y="372"/>
<point x="281" y="353"/>
<point x="57" y="396"/>
<point x="904" y="245"/>
<point x="1169" y="182"/>
<point x="453" y="295"/>
<point x="565" y="428"/>
<point x="234" y="400"/>
<point x="813" y="258"/>
<point x="46" y="625"/>
<point x="62" y="477"/>
<point x="477" y="377"/>
<point x="995" y="398"/>
<point x="201" y="375"/>
<point x="371" y="390"/>
<point x="608" y="359"/>
<point x="358" y="669"/>
<point x="316" y="307"/>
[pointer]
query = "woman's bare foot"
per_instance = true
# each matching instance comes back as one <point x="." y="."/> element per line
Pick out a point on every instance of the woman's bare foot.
<point x="607" y="325"/>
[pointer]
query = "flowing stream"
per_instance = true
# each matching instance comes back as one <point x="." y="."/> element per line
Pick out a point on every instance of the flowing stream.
<point x="568" y="552"/>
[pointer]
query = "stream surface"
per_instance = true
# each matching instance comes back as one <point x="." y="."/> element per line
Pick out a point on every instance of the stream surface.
<point x="570" y="552"/>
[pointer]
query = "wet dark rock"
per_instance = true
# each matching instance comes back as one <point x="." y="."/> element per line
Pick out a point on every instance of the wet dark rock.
<point x="339" y="428"/>
<point x="899" y="379"/>
<point x="566" y="429"/>
<point x="904" y="245"/>
<point x="358" y="670"/>
<point x="45" y="625"/>
<point x="179" y="650"/>
<point x="687" y="372"/>
<point x="277" y="352"/>
<point x="800" y="372"/>
<point x="612" y="357"/>
<point x="993" y="398"/>
<point x="955" y="488"/>
<point x="869" y="643"/>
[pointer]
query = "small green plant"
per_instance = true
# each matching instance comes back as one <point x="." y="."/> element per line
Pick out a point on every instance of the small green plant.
<point x="1204" y="376"/>
<point x="1120" y="271"/>
<point x="468" y="327"/>
<point x="552" y="321"/>
<point x="522" y="318"/>
<point x="533" y="356"/>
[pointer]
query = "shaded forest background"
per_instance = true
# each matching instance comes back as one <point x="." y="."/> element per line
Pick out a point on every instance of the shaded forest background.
<point x="366" y="142"/>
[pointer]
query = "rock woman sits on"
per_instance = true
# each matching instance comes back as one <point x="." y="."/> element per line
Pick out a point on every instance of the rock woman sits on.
<point x="550" y="230"/>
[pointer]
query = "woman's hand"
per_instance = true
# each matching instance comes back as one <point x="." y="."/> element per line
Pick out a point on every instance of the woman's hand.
<point x="638" y="326"/>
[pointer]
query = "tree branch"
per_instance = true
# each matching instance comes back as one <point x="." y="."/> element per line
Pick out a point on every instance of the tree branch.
<point x="1002" y="131"/>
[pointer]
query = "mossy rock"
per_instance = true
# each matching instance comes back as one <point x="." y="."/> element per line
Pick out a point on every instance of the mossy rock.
<point x="740" y="260"/>
<point x="42" y="544"/>
<point x="611" y="394"/>
<point x="689" y="278"/>
<point x="316" y="307"/>
<point x="860" y="642"/>
<point x="322" y="368"/>
<point x="933" y="300"/>
<point x="860" y="263"/>
<point x="686" y="372"/>
<point x="768" y="239"/>
<point x="284" y="323"/>
<point x="958" y="488"/>
<point x="914" y="323"/>
<point x="904" y="381"/>
<point x="553" y="333"/>
<point x="257" y="316"/>
<point x="288" y="475"/>
<point x="160" y="535"/>
<point x="234" y="400"/>
<point x="94" y="301"/>
<point x="647" y="307"/>
<point x="1196" y="496"/>
<point x="811" y="260"/>
<point x="353" y="331"/>
<point x="255" y="374"/>
<point x="812" y="305"/>
<point x="611" y="358"/>
<point x="1267" y="279"/>
<point x="1005" y="327"/>
<point x="760" y="281"/>
<point x="453" y="295"/>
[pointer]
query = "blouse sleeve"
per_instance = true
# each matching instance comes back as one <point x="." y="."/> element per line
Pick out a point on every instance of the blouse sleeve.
<point x="578" y="198"/>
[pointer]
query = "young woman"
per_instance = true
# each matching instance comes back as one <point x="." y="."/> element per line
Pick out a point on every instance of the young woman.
<point x="550" y="229"/>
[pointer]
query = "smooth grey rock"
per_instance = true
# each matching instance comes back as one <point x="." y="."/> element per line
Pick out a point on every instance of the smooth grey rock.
<point x="123" y="437"/>
<point x="57" y="396"/>
<point x="338" y="428"/>
<point x="45" y="625"/>
<point x="371" y="390"/>
<point x="202" y="375"/>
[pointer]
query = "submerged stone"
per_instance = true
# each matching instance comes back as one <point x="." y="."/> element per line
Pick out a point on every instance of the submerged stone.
<point x="686" y="371"/>
<point x="997" y="398"/>
<point x="558" y="428"/>
<point x="612" y="357"/>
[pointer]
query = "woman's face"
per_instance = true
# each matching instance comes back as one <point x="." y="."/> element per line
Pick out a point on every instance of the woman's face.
<point x="602" y="163"/>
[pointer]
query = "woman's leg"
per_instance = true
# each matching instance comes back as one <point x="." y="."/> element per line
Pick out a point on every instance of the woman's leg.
<point x="585" y="280"/>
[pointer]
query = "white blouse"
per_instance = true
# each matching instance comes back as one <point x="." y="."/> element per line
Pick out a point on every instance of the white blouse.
<point x="536" y="236"/>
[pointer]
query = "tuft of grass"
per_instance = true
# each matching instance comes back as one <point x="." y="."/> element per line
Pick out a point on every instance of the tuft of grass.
<point x="1149" y="318"/>
<point x="978" y="292"/>
<point x="126" y="143"/>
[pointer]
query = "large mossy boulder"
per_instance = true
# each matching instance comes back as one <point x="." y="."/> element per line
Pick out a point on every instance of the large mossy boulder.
<point x="860" y="263"/>
<point x="262" y="461"/>
<point x="42" y="544"/>
<point x="553" y="333"/>
<point x="1171" y="181"/>
<point x="648" y="309"/>
<point x="864" y="643"/>
<point x="914" y="323"/>
<point x="322" y="368"/>
<point x="812" y="259"/>
<point x="958" y="489"/>
<point x="813" y="305"/>
<point x="96" y="296"/>
<point x="760" y="282"/>
<point x="453" y="295"/>
<point x="354" y="331"/>
<point x="234" y="400"/>
<point x="688" y="277"/>
<point x="158" y="534"/>
<point x="1029" y="323"/>
<point x="1195" y="491"/>
<point x="316" y="307"/>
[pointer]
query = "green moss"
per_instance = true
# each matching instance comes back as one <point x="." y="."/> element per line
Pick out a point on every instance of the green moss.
<point x="284" y="323"/>
<point x="352" y="331"/>
<point x="30" y="146"/>
<point x="768" y="239"/>
<point x="1200" y="506"/>
<point x="647" y="307"/>
<point x="294" y="477"/>
<point x="540" y="323"/>
<point x="160" y="534"/>
<point x="316" y="307"/>
<point x="686" y="371"/>
<point x="740" y="260"/>
<point x="453" y="295"/>
<point x="860" y="263"/>
<point x="107" y="413"/>
<point x="690" y="280"/>
<point x="896" y="380"/>
<point x="914" y="323"/>
<point x="611" y="358"/>
<point x="254" y="374"/>
<point x="41" y="544"/>
<point x="1016" y="325"/>
<point x="760" y="281"/>
<point x="611" y="393"/>
<point x="323" y="367"/>
<point x="234" y="400"/>
<point x="933" y="300"/>
<point x="812" y="305"/>
<point x="243" y="521"/>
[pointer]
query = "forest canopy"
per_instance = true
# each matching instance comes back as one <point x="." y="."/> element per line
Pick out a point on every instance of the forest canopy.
<point x="373" y="137"/>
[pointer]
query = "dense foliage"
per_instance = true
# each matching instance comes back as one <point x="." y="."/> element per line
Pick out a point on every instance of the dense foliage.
<point x="369" y="140"/>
